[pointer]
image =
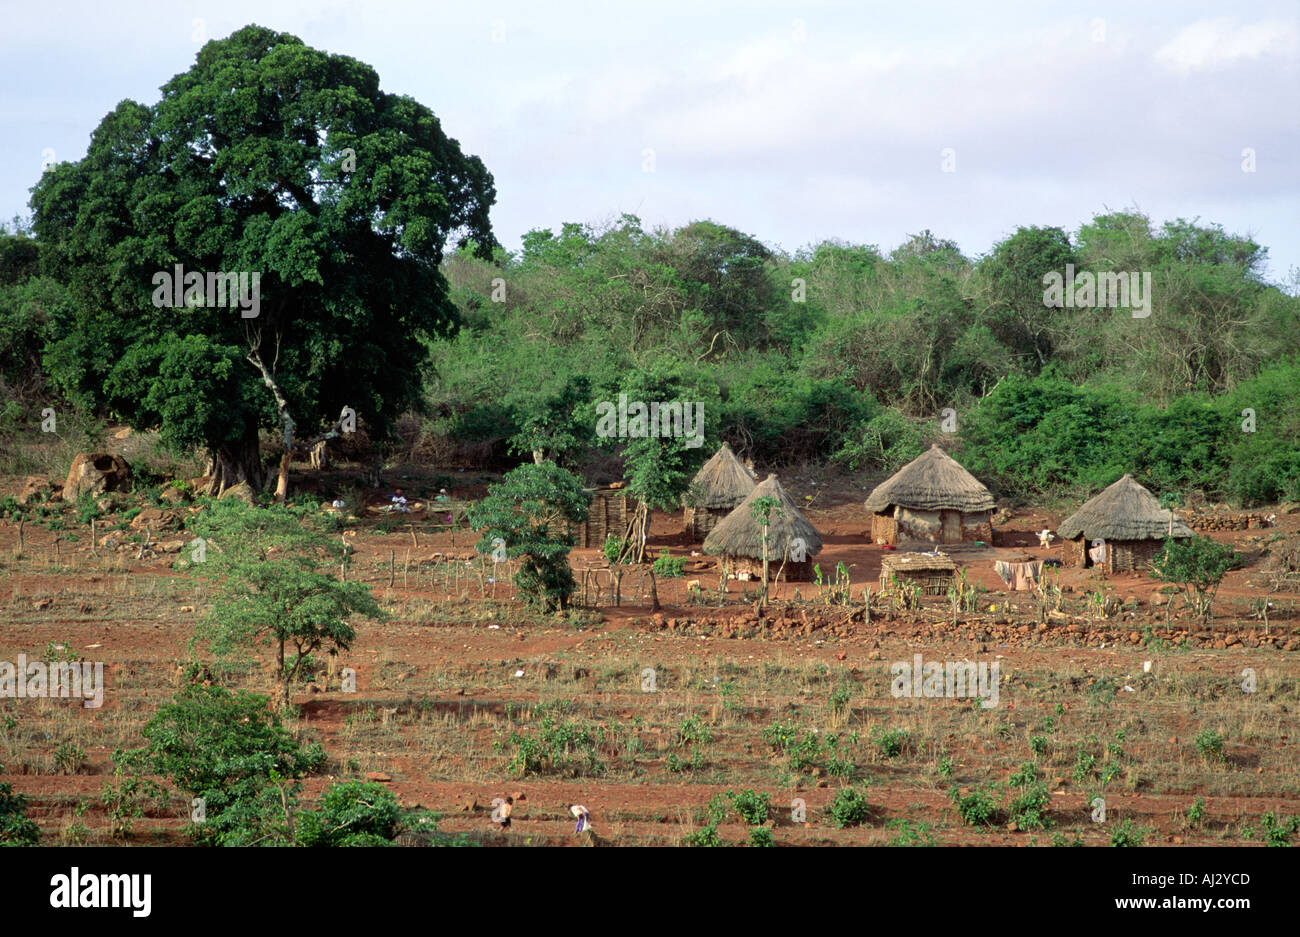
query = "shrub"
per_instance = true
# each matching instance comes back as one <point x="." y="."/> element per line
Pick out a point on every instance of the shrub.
<point x="910" y="834"/>
<point x="1210" y="744"/>
<point x="1278" y="832"/>
<point x="351" y="813"/>
<point x="669" y="567"/>
<point x="752" y="806"/>
<point x="1028" y="810"/>
<point x="705" y="836"/>
<point x="975" y="808"/>
<point x="761" y="837"/>
<point x="891" y="742"/>
<point x="15" y="828"/>
<point x="849" y="808"/>
<point x="1126" y="834"/>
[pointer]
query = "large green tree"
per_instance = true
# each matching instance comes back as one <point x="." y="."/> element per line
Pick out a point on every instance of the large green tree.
<point x="273" y="158"/>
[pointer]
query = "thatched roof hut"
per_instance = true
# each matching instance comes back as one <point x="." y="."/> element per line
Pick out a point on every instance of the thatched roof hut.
<point x="933" y="481"/>
<point x="720" y="484"/>
<point x="1129" y="518"/>
<point x="1124" y="511"/>
<point x="740" y="537"/>
<point x="931" y="498"/>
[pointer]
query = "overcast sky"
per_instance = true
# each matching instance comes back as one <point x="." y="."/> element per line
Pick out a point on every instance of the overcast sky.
<point x="794" y="121"/>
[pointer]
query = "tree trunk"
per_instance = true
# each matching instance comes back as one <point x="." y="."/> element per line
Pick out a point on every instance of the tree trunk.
<point x="538" y="456"/>
<point x="320" y="455"/>
<point x="282" y="481"/>
<point x="238" y="462"/>
<point x="284" y="677"/>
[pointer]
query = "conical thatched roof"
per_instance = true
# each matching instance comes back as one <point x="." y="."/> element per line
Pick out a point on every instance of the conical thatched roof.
<point x="1124" y="511"/>
<point x="738" y="534"/>
<point x="933" y="481"/>
<point x="722" y="482"/>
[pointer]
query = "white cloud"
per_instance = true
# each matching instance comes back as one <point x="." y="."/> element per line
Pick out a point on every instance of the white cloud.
<point x="1211" y="43"/>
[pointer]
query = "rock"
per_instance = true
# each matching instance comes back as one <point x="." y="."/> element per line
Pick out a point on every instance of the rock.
<point x="96" y="473"/>
<point x="173" y="495"/>
<point x="41" y="604"/>
<point x="156" y="520"/>
<point x="31" y="489"/>
<point x="241" y="492"/>
<point x="379" y="776"/>
<point x="1134" y="637"/>
<point x="124" y="433"/>
<point x="105" y="504"/>
<point x="110" y="541"/>
<point x="172" y="546"/>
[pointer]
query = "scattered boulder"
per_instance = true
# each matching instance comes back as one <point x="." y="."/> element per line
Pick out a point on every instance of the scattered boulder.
<point x="156" y="520"/>
<point x="173" y="495"/>
<point x="31" y="489"/>
<point x="96" y="473"/>
<point x="172" y="546"/>
<point x="241" y="492"/>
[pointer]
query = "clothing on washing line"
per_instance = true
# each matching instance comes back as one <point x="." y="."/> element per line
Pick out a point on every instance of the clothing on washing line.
<point x="1020" y="576"/>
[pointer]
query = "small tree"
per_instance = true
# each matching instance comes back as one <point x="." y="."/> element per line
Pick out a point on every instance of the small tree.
<point x="1198" y="565"/>
<point x="555" y="426"/>
<point x="231" y="750"/>
<point x="659" y="468"/>
<point x="763" y="511"/>
<point x="531" y="510"/>
<point x="276" y="586"/>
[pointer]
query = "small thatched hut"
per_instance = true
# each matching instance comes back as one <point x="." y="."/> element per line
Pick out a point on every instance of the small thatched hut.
<point x="739" y="538"/>
<point x="1128" y="518"/>
<point x="934" y="574"/>
<point x="931" y="498"/>
<point x="719" y="485"/>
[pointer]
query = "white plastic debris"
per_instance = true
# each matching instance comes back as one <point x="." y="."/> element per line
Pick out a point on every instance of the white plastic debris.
<point x="519" y="673"/>
<point x="1146" y="666"/>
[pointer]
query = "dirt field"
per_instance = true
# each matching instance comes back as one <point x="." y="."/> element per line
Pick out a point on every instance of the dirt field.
<point x="444" y="686"/>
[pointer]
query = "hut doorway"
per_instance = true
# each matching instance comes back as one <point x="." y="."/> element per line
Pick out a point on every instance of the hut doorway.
<point x="950" y="526"/>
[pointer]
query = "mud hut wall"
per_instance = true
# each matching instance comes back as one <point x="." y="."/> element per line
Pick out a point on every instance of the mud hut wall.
<point x="1074" y="552"/>
<point x="884" y="529"/>
<point x="918" y="525"/>
<point x="977" y="525"/>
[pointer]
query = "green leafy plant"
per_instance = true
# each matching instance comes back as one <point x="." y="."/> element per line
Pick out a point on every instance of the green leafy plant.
<point x="910" y="834"/>
<point x="891" y="742"/>
<point x="705" y="836"/>
<point x="1210" y="744"/>
<point x="669" y="567"/>
<point x="1126" y="834"/>
<point x="849" y="808"/>
<point x="15" y="827"/>
<point x="1278" y="832"/>
<point x="976" y="807"/>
